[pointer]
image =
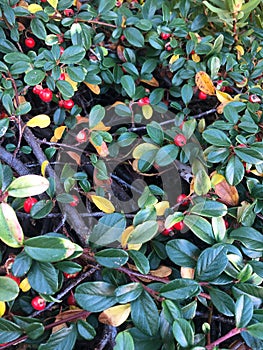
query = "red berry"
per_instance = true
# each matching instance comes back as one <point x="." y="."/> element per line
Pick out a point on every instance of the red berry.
<point x="28" y="204"/>
<point x="62" y="76"/>
<point x="202" y="95"/>
<point x="254" y="99"/>
<point x="75" y="201"/>
<point x="81" y="136"/>
<point x="43" y="0"/>
<point x="178" y="226"/>
<point x="70" y="275"/>
<point x="167" y="231"/>
<point x="122" y="38"/>
<point x="165" y="36"/>
<point x="38" y="303"/>
<point x="61" y="50"/>
<point x="61" y="103"/>
<point x="226" y="223"/>
<point x="71" y="300"/>
<point x="30" y="42"/>
<point x="180" y="140"/>
<point x="60" y="38"/>
<point x="68" y="12"/>
<point x="182" y="199"/>
<point x="242" y="145"/>
<point x="68" y="104"/>
<point x="14" y="278"/>
<point x="168" y="48"/>
<point x="37" y="89"/>
<point x="143" y="101"/>
<point x="46" y="95"/>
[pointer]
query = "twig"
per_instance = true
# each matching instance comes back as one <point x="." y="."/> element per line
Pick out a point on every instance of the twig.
<point x="108" y="336"/>
<point x="230" y="334"/>
<point x="139" y="275"/>
<point x="13" y="162"/>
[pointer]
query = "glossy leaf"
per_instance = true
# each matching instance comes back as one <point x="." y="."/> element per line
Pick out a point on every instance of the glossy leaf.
<point x="28" y="185"/>
<point x="112" y="258"/>
<point x="211" y="263"/>
<point x="243" y="311"/>
<point x="180" y="289"/>
<point x="8" y="289"/>
<point x="183" y="332"/>
<point x="11" y="232"/>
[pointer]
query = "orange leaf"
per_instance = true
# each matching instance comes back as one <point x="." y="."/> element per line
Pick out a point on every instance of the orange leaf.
<point x="162" y="271"/>
<point x="204" y="83"/>
<point x="152" y="82"/>
<point x="75" y="156"/>
<point x="228" y="194"/>
<point x="94" y="88"/>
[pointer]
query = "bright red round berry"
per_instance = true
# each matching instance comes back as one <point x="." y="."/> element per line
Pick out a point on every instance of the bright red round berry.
<point x="61" y="103"/>
<point x="75" y="201"/>
<point x="168" y="48"/>
<point x="68" y="12"/>
<point x="167" y="231"/>
<point x="68" y="104"/>
<point x="46" y="95"/>
<point x="14" y="278"/>
<point x="37" y="89"/>
<point x="143" y="101"/>
<point x="165" y="36"/>
<point x="180" y="140"/>
<point x="202" y="95"/>
<point x="28" y="204"/>
<point x="70" y="275"/>
<point x="178" y="226"/>
<point x="38" y="303"/>
<point x="62" y="76"/>
<point x="182" y="199"/>
<point x="71" y="300"/>
<point x="30" y="43"/>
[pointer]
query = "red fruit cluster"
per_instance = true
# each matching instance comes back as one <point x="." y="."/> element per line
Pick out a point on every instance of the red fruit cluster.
<point x="30" y="43"/>
<point x="28" y="204"/>
<point x="143" y="101"/>
<point x="75" y="201"/>
<point x="178" y="226"/>
<point x="69" y="12"/>
<point x="46" y="95"/>
<point x="67" y="104"/>
<point x="165" y="36"/>
<point x="38" y="303"/>
<point x="180" y="140"/>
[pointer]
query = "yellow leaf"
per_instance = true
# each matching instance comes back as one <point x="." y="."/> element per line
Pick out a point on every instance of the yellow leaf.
<point x="143" y="148"/>
<point x="101" y="127"/>
<point x="173" y="59"/>
<point x="147" y="111"/>
<point x="161" y="207"/>
<point x="204" y="83"/>
<point x="195" y="57"/>
<point x="228" y="194"/>
<point x="103" y="204"/>
<point x="102" y="149"/>
<point x="53" y="3"/>
<point x="187" y="272"/>
<point x="125" y="236"/>
<point x="94" y="88"/>
<point x="216" y="179"/>
<point x="43" y="167"/>
<point x="116" y="315"/>
<point x="53" y="139"/>
<point x="223" y="97"/>
<point x="59" y="132"/>
<point x="255" y="172"/>
<point x="240" y="51"/>
<point x="33" y="8"/>
<point x="2" y="308"/>
<point x="152" y="82"/>
<point x="74" y="84"/>
<point x="24" y="285"/>
<point x="41" y="120"/>
<point x="134" y="246"/>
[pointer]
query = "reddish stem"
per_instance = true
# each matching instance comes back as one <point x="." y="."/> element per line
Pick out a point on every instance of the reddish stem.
<point x="230" y="334"/>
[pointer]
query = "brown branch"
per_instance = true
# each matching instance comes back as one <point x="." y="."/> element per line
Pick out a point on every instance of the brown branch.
<point x="230" y="334"/>
<point x="13" y="162"/>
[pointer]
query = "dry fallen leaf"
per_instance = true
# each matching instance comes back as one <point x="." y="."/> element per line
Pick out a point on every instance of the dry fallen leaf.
<point x="204" y="83"/>
<point x="228" y="194"/>
<point x="116" y="315"/>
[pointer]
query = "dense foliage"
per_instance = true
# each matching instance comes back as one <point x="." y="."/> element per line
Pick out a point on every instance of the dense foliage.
<point x="131" y="195"/>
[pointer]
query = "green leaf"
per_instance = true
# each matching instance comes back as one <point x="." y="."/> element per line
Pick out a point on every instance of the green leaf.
<point x="144" y="314"/>
<point x="143" y="232"/>
<point x="140" y="261"/>
<point x="21" y="264"/>
<point x="4" y="123"/>
<point x="128" y="85"/>
<point x="222" y="301"/>
<point x="28" y="185"/>
<point x="209" y="209"/>
<point x="86" y="330"/>
<point x="124" y="341"/>
<point x="182" y="252"/>
<point x="216" y="138"/>
<point x="156" y="96"/>
<point x="97" y="113"/>
<point x="183" y="332"/>
<point x="211" y="263"/>
<point x="8" y="289"/>
<point x="200" y="227"/>
<point x="49" y="249"/>
<point x="34" y="330"/>
<point x="73" y="54"/>
<point x="250" y="238"/>
<point x="134" y="37"/>
<point x="63" y="339"/>
<point x="11" y="232"/>
<point x="41" y="209"/>
<point x="112" y="258"/>
<point x="166" y="155"/>
<point x="65" y="88"/>
<point x="248" y="289"/>
<point x="155" y="132"/>
<point x="249" y="155"/>
<point x="108" y="229"/>
<point x="128" y="292"/>
<point x="256" y="330"/>
<point x="34" y="77"/>
<point x="105" y="6"/>
<point x="43" y="278"/>
<point x="95" y="296"/>
<point x="187" y="93"/>
<point x="23" y="108"/>
<point x="243" y="311"/>
<point x="9" y="331"/>
<point x="202" y="183"/>
<point x="38" y="28"/>
<point x="234" y="171"/>
<point x="180" y="289"/>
